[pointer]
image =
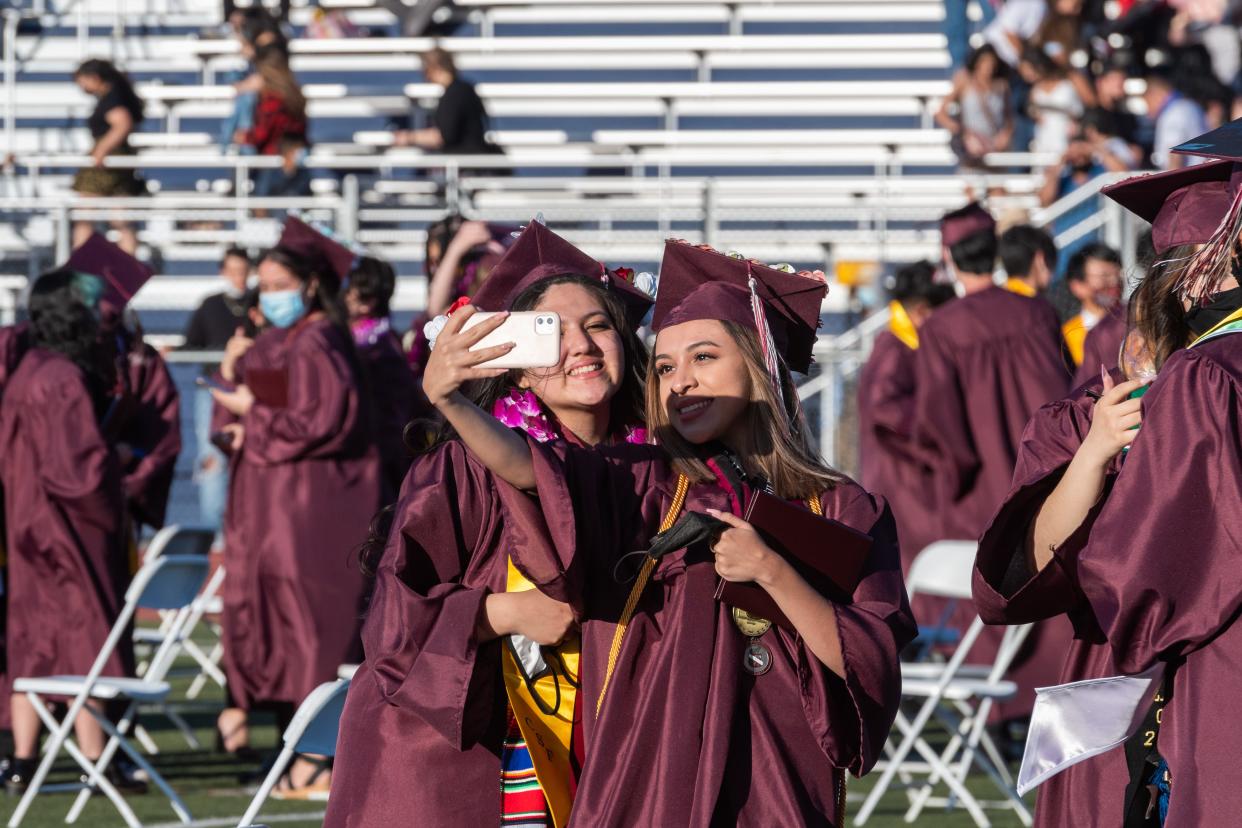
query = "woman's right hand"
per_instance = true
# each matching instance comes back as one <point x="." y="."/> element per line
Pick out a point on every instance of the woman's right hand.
<point x="470" y="235"/>
<point x="234" y="349"/>
<point x="452" y="363"/>
<point x="1113" y="422"/>
<point x="543" y="620"/>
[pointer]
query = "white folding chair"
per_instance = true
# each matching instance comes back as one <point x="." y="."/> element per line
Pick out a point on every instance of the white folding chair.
<point x="958" y="695"/>
<point x="167" y="582"/>
<point x="313" y="730"/>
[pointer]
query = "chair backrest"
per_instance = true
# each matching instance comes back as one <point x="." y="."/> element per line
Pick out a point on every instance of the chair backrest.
<point x="176" y="539"/>
<point x="314" y="727"/>
<point x="944" y="568"/>
<point x="168" y="582"/>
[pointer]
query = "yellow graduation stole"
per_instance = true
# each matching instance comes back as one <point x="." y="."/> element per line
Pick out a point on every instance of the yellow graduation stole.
<point x="902" y="326"/>
<point x="1021" y="288"/>
<point x="1230" y="324"/>
<point x="1074" y="332"/>
<point x="548" y="738"/>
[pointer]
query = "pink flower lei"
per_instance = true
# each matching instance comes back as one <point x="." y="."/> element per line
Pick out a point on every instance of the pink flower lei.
<point x="520" y="409"/>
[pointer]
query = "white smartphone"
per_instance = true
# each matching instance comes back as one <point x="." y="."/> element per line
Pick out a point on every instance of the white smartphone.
<point x="536" y="336"/>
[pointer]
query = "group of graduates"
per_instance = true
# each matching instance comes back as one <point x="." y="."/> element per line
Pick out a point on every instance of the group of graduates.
<point x="625" y="589"/>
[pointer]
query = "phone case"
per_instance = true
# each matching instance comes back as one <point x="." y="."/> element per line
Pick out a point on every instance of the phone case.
<point x="536" y="334"/>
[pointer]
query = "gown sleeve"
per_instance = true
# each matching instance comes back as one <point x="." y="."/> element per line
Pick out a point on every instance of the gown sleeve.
<point x="156" y="434"/>
<point x="419" y="635"/>
<point x="322" y="400"/>
<point x="851" y="717"/>
<point x="1160" y="567"/>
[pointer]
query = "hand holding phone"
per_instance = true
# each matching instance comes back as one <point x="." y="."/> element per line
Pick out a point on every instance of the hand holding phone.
<point x="210" y="383"/>
<point x="536" y="338"/>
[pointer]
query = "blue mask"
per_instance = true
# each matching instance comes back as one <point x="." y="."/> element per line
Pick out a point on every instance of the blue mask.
<point x="282" y="307"/>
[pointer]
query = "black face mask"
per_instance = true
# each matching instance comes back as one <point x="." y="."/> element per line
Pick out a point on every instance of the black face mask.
<point x="1203" y="318"/>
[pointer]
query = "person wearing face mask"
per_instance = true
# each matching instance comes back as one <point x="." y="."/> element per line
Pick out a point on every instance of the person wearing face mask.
<point x="985" y="364"/>
<point x="68" y="556"/>
<point x="448" y="587"/>
<point x="1143" y="559"/>
<point x="304" y="481"/>
<point x="695" y="711"/>
<point x="886" y="402"/>
<point x="1094" y="279"/>
<point x="219" y="318"/>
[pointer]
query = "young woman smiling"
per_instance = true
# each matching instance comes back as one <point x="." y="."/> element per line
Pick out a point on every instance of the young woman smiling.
<point x="697" y="714"/>
<point x="442" y="699"/>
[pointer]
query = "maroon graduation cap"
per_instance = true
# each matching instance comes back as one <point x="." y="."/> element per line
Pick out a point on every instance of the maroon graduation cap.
<point x="539" y="254"/>
<point x="1183" y="206"/>
<point x="702" y="283"/>
<point x="122" y="275"/>
<point x="964" y="223"/>
<point x="301" y="238"/>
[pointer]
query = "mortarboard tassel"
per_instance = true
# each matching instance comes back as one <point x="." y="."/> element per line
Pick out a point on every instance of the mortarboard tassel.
<point x="1212" y="264"/>
<point x="766" y="342"/>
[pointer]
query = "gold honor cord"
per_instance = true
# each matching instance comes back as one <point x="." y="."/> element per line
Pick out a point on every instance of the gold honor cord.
<point x="644" y="574"/>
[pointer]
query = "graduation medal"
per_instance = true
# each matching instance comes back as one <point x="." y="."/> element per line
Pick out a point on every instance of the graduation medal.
<point x="756" y="658"/>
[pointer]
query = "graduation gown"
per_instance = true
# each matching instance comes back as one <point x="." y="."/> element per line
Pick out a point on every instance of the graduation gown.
<point x="1102" y="346"/>
<point x="425" y="718"/>
<point x="685" y="736"/>
<point x="154" y="430"/>
<point x="68" y="566"/>
<point x="1005" y="592"/>
<point x="890" y="465"/>
<point x="395" y="402"/>
<point x="1161" y="570"/>
<point x="302" y="492"/>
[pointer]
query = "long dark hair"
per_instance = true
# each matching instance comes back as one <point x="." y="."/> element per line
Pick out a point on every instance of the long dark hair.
<point x="627" y="407"/>
<point x="1156" y="312"/>
<point x="63" y="320"/>
<point x="117" y="81"/>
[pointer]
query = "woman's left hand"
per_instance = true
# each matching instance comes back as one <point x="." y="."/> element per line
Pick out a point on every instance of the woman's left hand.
<point x="742" y="555"/>
<point x="237" y="402"/>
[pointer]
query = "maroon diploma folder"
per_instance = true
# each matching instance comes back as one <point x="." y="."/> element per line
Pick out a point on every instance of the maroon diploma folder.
<point x="830" y="555"/>
<point x="270" y="386"/>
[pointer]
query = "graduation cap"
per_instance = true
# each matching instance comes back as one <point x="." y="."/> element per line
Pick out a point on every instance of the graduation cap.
<point x="317" y="245"/>
<point x="965" y="222"/>
<point x="539" y="254"/>
<point x="702" y="283"/>
<point x="121" y="274"/>
<point x="1183" y="206"/>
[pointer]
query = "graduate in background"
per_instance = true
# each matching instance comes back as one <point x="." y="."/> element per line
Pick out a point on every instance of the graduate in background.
<point x="1029" y="256"/>
<point x="890" y="465"/>
<point x="1093" y="276"/>
<point x="305" y="481"/>
<point x="68" y="556"/>
<point x="696" y="713"/>
<point x="985" y="364"/>
<point x="439" y="680"/>
<point x="395" y="397"/>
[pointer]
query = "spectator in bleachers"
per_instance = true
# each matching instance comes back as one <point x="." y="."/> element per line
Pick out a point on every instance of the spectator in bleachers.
<point x="1059" y="34"/>
<point x="957" y="28"/>
<point x="460" y="122"/>
<point x="331" y="24"/>
<point x="218" y="318"/>
<point x="1110" y="97"/>
<point x="1015" y="25"/>
<point x="280" y="128"/>
<point x="257" y="33"/>
<point x="977" y="111"/>
<point x="117" y="114"/>
<point x="1109" y="149"/>
<point x="1079" y="165"/>
<point x="1177" y="119"/>
<point x="1055" y="103"/>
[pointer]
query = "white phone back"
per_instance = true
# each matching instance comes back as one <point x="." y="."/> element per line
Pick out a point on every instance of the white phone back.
<point x="536" y="334"/>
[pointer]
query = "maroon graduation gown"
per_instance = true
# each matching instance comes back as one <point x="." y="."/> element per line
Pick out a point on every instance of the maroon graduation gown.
<point x="302" y="493"/>
<point x="426" y="714"/>
<point x="68" y="565"/>
<point x="1161" y="571"/>
<point x="985" y="364"/>
<point x="686" y="737"/>
<point x="1091" y="792"/>
<point x="1102" y="346"/>
<point x="154" y="431"/>
<point x="890" y="465"/>
<point x="395" y="402"/>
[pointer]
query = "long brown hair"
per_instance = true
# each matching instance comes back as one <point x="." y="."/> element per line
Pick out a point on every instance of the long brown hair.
<point x="1156" y="312"/>
<point x="779" y="451"/>
<point x="273" y="68"/>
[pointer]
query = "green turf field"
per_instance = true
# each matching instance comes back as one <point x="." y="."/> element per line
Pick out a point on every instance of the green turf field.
<point x="208" y="782"/>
